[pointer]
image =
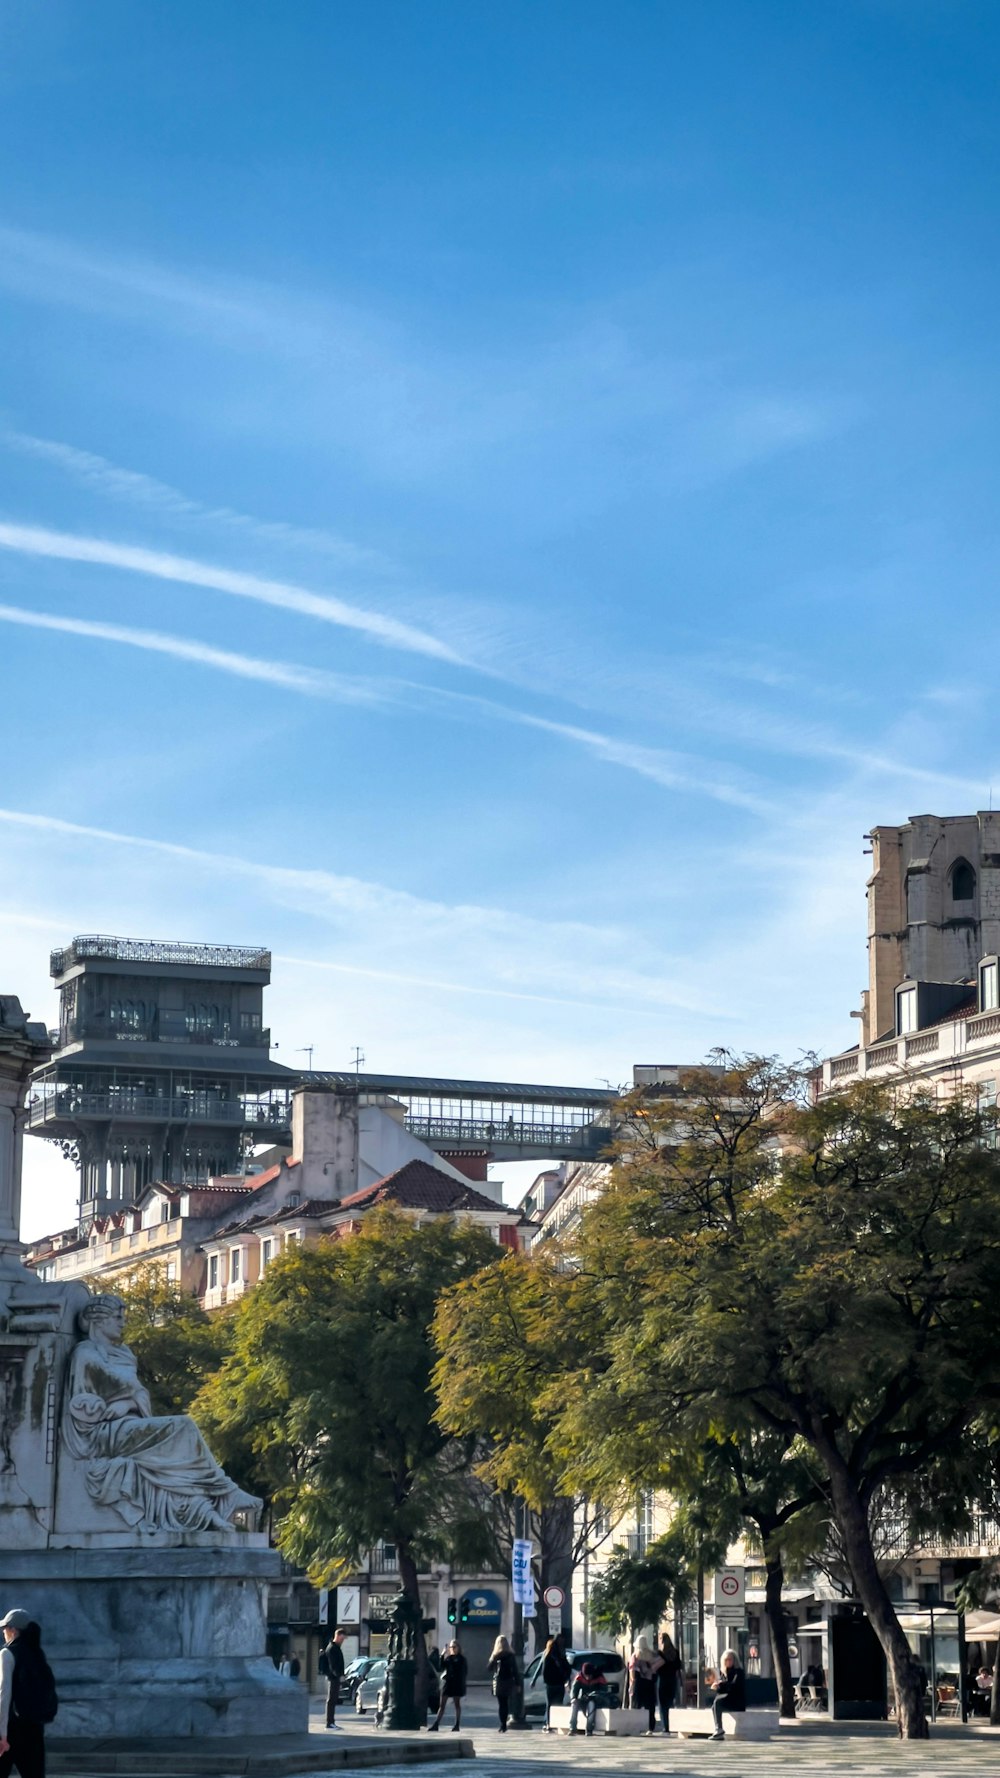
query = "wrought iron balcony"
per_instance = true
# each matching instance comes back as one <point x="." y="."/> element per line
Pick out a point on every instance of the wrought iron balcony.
<point x="69" y="1105"/>
<point x="141" y="950"/>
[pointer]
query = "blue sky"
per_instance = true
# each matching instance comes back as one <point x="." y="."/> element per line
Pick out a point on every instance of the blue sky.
<point x="494" y="502"/>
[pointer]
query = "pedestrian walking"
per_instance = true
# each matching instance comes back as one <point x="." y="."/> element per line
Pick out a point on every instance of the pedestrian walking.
<point x="503" y="1671"/>
<point x="334" y="1656"/>
<point x="643" y="1669"/>
<point x="730" y="1692"/>
<point x="556" y="1672"/>
<point x="27" y="1697"/>
<point x="454" y="1680"/>
<point x="666" y="1679"/>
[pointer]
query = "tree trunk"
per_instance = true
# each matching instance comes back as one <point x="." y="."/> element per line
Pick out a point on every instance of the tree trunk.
<point x="852" y="1521"/>
<point x="411" y="1587"/>
<point x="778" y="1634"/>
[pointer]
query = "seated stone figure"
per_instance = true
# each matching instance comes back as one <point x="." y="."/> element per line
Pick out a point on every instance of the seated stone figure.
<point x="155" y="1471"/>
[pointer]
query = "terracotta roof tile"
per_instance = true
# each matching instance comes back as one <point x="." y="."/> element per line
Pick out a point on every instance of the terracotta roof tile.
<point x="419" y="1186"/>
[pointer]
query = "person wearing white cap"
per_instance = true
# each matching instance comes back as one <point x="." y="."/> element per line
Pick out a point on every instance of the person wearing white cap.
<point x="27" y="1697"/>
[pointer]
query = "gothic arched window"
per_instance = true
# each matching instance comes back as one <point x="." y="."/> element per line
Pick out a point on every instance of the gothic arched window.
<point x="963" y="881"/>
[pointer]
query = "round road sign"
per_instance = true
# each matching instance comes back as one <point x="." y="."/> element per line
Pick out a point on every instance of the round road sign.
<point x="554" y="1596"/>
<point x="729" y="1585"/>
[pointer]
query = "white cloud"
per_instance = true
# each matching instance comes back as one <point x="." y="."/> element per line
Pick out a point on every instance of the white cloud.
<point x="671" y="770"/>
<point x="312" y="681"/>
<point x="32" y="540"/>
<point x="132" y="485"/>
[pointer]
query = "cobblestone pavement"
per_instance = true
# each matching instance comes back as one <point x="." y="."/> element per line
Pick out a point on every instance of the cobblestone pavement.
<point x="802" y="1750"/>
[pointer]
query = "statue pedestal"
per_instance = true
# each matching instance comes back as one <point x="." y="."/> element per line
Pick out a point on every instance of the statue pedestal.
<point x="157" y="1642"/>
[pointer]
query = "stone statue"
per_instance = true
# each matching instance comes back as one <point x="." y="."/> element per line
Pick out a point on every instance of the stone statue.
<point x="155" y="1471"/>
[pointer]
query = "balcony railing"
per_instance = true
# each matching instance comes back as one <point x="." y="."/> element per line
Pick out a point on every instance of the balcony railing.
<point x="141" y="950"/>
<point x="80" y="1030"/>
<point x="154" y="1108"/>
<point x="582" y="1139"/>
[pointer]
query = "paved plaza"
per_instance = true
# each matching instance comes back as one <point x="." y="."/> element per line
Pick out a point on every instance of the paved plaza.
<point x="808" y="1749"/>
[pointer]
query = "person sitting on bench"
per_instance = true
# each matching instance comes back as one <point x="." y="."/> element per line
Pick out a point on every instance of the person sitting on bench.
<point x="588" y="1690"/>
<point x="730" y="1692"/>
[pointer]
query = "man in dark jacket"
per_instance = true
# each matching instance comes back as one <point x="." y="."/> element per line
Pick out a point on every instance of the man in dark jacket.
<point x="334" y="1656"/>
<point x="730" y="1692"/>
<point x="588" y="1690"/>
<point x="27" y="1697"/>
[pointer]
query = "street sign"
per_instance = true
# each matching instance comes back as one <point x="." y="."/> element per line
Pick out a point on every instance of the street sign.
<point x="730" y="1588"/>
<point x="554" y="1596"/>
<point x="555" y="1618"/>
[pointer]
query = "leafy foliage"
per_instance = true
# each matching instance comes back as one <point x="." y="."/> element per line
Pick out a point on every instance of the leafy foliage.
<point x="178" y="1346"/>
<point x="328" y="1386"/>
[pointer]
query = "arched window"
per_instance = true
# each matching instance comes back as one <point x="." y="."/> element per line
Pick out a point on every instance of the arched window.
<point x="963" y="881"/>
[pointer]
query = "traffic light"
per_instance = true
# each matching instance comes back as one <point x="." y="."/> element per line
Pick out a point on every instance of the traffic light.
<point x="463" y="1612"/>
<point x="452" y="1610"/>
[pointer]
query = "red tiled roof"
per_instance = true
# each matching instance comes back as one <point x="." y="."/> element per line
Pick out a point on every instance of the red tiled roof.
<point x="419" y="1186"/>
<point x="310" y="1207"/>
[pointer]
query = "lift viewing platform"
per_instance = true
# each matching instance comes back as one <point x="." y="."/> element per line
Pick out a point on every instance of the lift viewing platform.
<point x="508" y="1119"/>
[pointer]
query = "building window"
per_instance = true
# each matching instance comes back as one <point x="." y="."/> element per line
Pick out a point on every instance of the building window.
<point x="213" y="1271"/>
<point x="266" y="1248"/>
<point x="602" y="1521"/>
<point x="249" y="1021"/>
<point x="986" y="1104"/>
<point x="906" y="1011"/>
<point x="963" y="881"/>
<point x="164" y="1211"/>
<point x="234" y="1265"/>
<point x="989" y="984"/>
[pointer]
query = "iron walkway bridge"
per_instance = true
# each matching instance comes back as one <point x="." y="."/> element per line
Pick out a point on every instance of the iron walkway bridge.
<point x="507" y="1119"/>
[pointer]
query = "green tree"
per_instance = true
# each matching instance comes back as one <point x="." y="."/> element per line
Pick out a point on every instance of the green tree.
<point x="829" y="1273"/>
<point x="500" y="1337"/>
<point x="329" y="1385"/>
<point x="177" y="1345"/>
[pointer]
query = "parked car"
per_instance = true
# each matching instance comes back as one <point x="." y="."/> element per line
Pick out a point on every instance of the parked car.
<point x="354" y="1674"/>
<point x="604" y="1660"/>
<point x="369" y="1685"/>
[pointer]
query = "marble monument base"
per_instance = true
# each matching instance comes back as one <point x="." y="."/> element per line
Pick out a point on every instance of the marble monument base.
<point x="156" y="1642"/>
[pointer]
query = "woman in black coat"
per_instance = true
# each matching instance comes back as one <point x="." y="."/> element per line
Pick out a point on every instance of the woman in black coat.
<point x="503" y="1670"/>
<point x="666" y="1680"/>
<point x="454" y="1680"/>
<point x="555" y="1677"/>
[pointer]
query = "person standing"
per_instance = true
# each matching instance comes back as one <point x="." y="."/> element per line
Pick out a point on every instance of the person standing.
<point x="730" y="1692"/>
<point x="555" y="1677"/>
<point x="643" y="1669"/>
<point x="27" y="1697"/>
<point x="666" y="1679"/>
<point x="454" y="1679"/>
<point x="503" y="1669"/>
<point x="334" y="1654"/>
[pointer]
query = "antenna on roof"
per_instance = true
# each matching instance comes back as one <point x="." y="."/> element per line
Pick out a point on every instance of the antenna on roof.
<point x="307" y="1050"/>
<point x="359" y="1056"/>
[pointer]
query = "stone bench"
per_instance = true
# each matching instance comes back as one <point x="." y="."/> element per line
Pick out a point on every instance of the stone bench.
<point x="606" y="1722"/>
<point x="742" y="1725"/>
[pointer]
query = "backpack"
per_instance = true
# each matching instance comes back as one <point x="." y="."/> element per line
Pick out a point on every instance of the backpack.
<point x="34" y="1686"/>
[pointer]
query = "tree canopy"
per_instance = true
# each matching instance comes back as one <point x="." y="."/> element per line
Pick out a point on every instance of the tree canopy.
<point x="810" y="1287"/>
<point x="177" y="1345"/>
<point x="328" y="1387"/>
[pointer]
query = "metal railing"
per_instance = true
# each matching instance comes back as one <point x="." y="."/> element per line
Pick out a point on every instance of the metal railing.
<point x="79" y="1030"/>
<point x="581" y="1138"/>
<point x="154" y="1108"/>
<point x="142" y="950"/>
